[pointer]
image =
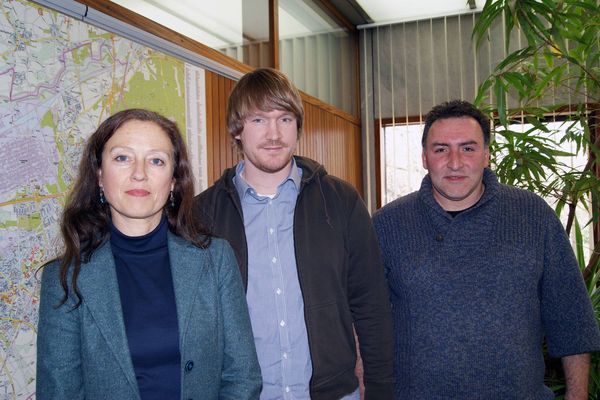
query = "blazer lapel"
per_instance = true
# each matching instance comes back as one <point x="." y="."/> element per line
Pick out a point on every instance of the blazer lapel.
<point x="100" y="290"/>
<point x="188" y="266"/>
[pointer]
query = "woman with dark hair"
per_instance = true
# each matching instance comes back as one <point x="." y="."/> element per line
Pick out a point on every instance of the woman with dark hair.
<point x="143" y="303"/>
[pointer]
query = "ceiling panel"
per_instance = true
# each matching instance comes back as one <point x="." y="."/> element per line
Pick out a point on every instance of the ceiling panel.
<point x="381" y="11"/>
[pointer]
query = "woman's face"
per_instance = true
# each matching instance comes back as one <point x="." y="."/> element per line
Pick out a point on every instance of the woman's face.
<point x="137" y="176"/>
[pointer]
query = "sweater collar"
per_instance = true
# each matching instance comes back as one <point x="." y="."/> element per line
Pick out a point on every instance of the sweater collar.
<point x="140" y="244"/>
<point x="490" y="181"/>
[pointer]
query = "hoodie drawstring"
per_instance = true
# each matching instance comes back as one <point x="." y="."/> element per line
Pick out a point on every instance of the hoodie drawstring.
<point x="327" y="218"/>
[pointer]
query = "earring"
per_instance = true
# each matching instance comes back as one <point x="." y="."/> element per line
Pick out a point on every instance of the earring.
<point x="172" y="200"/>
<point x="102" y="198"/>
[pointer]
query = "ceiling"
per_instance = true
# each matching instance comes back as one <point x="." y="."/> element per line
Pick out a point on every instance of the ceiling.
<point x="366" y="12"/>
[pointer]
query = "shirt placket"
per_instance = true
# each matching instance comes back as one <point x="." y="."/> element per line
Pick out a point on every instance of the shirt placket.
<point x="279" y="291"/>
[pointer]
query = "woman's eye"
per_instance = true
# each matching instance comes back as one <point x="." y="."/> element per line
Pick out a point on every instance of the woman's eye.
<point x="121" y="158"/>
<point x="157" y="161"/>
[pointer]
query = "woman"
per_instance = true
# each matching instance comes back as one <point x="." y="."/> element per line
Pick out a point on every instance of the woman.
<point x="142" y="304"/>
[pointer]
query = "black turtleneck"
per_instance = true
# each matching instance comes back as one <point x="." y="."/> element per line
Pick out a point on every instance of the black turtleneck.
<point x="149" y="310"/>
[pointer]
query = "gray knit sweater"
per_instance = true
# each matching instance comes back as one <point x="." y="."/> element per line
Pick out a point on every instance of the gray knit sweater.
<point x="473" y="296"/>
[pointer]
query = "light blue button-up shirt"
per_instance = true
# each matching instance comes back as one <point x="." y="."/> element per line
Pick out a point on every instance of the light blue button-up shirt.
<point x="274" y="296"/>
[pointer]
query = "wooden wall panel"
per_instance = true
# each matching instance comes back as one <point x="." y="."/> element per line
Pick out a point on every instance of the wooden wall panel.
<point x="221" y="153"/>
<point x="329" y="136"/>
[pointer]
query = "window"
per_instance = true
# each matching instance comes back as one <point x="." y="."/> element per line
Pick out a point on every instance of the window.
<point x="239" y="29"/>
<point x="400" y="157"/>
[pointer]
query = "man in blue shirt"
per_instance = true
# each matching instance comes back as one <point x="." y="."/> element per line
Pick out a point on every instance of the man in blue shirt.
<point x="306" y="250"/>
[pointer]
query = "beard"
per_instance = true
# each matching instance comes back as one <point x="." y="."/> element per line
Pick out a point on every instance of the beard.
<point x="271" y="163"/>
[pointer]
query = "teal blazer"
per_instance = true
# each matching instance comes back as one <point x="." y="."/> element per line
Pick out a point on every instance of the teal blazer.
<point x="83" y="353"/>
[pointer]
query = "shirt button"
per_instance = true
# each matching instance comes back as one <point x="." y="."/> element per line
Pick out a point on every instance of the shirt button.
<point x="282" y="323"/>
<point x="287" y="389"/>
<point x="285" y="356"/>
<point x="271" y="230"/>
<point x="278" y="291"/>
<point x="439" y="238"/>
<point x="274" y="260"/>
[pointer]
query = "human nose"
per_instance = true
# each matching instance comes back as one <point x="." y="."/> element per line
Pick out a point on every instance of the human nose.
<point x="273" y="132"/>
<point x="139" y="171"/>
<point x="454" y="159"/>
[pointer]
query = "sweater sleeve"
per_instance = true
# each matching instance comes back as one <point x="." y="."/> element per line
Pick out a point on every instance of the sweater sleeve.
<point x="567" y="315"/>
<point x="369" y="304"/>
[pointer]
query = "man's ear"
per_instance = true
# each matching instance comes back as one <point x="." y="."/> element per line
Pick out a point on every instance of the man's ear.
<point x="487" y="157"/>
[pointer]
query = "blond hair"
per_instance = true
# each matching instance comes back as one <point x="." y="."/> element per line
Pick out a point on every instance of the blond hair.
<point x="264" y="89"/>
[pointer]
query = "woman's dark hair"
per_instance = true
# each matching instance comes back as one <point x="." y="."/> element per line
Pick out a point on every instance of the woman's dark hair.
<point x="85" y="223"/>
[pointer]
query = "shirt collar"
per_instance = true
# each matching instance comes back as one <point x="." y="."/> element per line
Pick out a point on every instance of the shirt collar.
<point x="243" y="187"/>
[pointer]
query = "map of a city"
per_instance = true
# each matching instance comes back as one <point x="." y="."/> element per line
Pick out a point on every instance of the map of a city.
<point x="59" y="78"/>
